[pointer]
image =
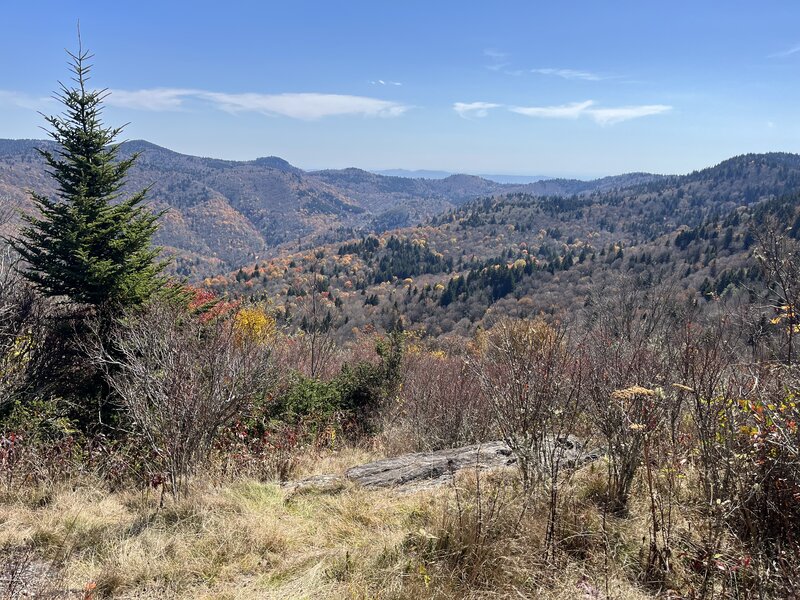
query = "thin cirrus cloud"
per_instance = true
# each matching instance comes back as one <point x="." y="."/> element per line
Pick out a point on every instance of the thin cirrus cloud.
<point x="600" y="115"/>
<point x="784" y="53"/>
<point x="609" y="116"/>
<point x="573" y="110"/>
<point x="21" y="100"/>
<point x="304" y="106"/>
<point x="564" y="111"/>
<point x="497" y="66"/>
<point x="499" y="61"/>
<point x="308" y="106"/>
<point x="153" y="99"/>
<point x="385" y="82"/>
<point x="495" y="54"/>
<point x="570" y="74"/>
<point x="468" y="110"/>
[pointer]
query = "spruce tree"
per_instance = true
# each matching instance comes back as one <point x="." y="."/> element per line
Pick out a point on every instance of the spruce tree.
<point x="89" y="245"/>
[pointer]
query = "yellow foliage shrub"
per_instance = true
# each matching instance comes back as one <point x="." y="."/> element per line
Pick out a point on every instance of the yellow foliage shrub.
<point x="255" y="323"/>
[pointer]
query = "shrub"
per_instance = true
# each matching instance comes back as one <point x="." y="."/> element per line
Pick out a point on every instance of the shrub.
<point x="39" y="445"/>
<point x="439" y="404"/>
<point x="625" y="364"/>
<point x="532" y="380"/>
<point x="529" y="376"/>
<point x="264" y="451"/>
<point x="21" y="320"/>
<point x="630" y="416"/>
<point x="309" y="403"/>
<point x="350" y="401"/>
<point x="181" y="378"/>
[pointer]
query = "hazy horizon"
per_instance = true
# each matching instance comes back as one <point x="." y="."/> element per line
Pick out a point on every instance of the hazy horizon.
<point x="414" y="173"/>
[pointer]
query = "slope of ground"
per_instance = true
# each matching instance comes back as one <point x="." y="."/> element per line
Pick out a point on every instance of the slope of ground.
<point x="246" y="539"/>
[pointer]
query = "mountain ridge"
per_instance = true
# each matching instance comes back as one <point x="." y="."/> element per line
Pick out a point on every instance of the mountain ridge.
<point x="434" y="174"/>
<point x="224" y="213"/>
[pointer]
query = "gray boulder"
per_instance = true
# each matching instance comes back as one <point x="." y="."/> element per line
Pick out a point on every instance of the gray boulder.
<point x="433" y="468"/>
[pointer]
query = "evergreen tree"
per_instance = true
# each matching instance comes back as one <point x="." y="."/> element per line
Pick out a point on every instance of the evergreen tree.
<point x="90" y="245"/>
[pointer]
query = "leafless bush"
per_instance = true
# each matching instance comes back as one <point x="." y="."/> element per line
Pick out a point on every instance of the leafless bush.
<point x="625" y="365"/>
<point x="265" y="453"/>
<point x="703" y="375"/>
<point x="182" y="379"/>
<point x="630" y="418"/>
<point x="627" y="418"/>
<point x="532" y="380"/>
<point x="21" y="317"/>
<point x="315" y="321"/>
<point x="28" y="460"/>
<point x="779" y="256"/>
<point x="761" y="504"/>
<point x="439" y="404"/>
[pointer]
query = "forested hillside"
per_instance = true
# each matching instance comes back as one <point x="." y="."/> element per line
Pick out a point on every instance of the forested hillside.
<point x="526" y="255"/>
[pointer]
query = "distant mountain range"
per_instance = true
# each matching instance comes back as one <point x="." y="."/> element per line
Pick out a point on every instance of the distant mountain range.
<point x="425" y="174"/>
<point x="226" y="213"/>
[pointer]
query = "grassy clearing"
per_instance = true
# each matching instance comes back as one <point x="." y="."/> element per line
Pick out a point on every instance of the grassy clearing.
<point x="254" y="540"/>
<point x="243" y="540"/>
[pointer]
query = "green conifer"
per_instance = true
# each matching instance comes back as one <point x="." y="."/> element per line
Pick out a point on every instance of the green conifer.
<point x="90" y="245"/>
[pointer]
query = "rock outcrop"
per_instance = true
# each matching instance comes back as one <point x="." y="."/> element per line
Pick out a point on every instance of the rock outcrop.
<point x="432" y="468"/>
<point x="435" y="468"/>
<point x="422" y="470"/>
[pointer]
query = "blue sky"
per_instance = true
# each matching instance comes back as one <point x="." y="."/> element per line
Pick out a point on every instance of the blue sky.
<point x="572" y="88"/>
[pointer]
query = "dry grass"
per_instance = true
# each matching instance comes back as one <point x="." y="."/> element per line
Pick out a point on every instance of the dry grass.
<point x="324" y="461"/>
<point x="253" y="540"/>
<point x="246" y="540"/>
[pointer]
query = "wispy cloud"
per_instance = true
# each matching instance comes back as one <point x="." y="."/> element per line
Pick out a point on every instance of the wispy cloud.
<point x="495" y="54"/>
<point x="570" y="74"/>
<point x="784" y="53"/>
<point x="157" y="99"/>
<point x="564" y="111"/>
<point x="384" y="82"/>
<point x="497" y="66"/>
<point x="610" y="116"/>
<point x="600" y="115"/>
<point x="22" y="100"/>
<point x="498" y="61"/>
<point x="305" y="106"/>
<point x="468" y="110"/>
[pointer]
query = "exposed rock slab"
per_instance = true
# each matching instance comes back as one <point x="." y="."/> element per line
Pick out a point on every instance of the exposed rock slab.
<point x="434" y="468"/>
<point x="423" y="470"/>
